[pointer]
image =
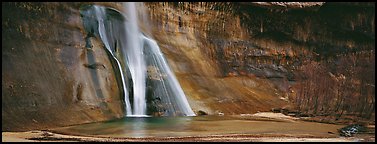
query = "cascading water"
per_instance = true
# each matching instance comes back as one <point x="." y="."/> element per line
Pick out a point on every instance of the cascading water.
<point x="135" y="59"/>
<point x="166" y="85"/>
<point x="149" y="86"/>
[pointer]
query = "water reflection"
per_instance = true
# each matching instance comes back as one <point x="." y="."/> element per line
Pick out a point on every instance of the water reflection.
<point x="137" y="127"/>
<point x="148" y="126"/>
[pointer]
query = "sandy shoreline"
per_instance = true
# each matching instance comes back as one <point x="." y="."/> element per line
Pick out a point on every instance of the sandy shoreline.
<point x="44" y="136"/>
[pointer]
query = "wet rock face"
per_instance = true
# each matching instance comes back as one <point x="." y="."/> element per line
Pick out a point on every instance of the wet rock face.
<point x="49" y="77"/>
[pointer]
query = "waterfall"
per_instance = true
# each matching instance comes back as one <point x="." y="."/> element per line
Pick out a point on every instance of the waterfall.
<point x="149" y="86"/>
<point x="135" y="59"/>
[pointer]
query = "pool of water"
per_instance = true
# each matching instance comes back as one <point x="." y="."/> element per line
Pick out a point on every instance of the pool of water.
<point x="200" y="126"/>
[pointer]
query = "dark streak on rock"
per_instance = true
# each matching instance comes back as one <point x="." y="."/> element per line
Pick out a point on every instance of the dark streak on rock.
<point x="95" y="66"/>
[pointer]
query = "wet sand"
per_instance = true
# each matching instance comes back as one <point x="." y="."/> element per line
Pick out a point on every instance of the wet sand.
<point x="263" y="127"/>
<point x="39" y="136"/>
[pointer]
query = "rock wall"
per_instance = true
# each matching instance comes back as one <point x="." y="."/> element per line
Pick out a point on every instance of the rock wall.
<point x="230" y="58"/>
<point x="244" y="57"/>
<point x="249" y="38"/>
<point x="197" y="46"/>
<point x="50" y="77"/>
